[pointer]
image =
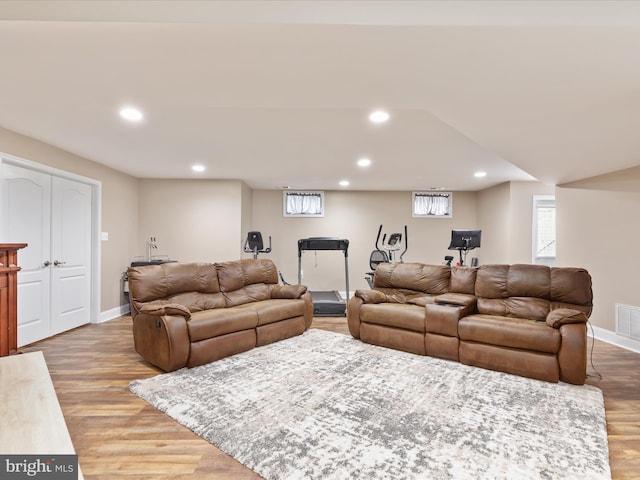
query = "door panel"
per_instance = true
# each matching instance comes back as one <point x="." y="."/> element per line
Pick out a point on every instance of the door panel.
<point x="71" y="254"/>
<point x="26" y="201"/>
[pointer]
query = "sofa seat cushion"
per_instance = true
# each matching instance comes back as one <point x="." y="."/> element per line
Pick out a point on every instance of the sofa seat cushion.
<point x="509" y="332"/>
<point x="274" y="310"/>
<point x="220" y="321"/>
<point x="402" y="295"/>
<point x="404" y="316"/>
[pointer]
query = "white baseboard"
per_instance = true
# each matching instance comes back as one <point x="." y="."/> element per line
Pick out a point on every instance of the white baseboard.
<point x="615" y="339"/>
<point x="113" y="313"/>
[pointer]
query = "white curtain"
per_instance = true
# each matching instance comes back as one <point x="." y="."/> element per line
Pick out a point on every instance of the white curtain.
<point x="304" y="204"/>
<point x="431" y="204"/>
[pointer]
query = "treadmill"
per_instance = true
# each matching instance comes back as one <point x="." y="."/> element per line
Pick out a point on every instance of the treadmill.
<point x="326" y="303"/>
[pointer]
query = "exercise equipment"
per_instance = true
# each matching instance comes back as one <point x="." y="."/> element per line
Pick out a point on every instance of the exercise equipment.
<point x="463" y="241"/>
<point x="387" y="253"/>
<point x="326" y="303"/>
<point x="254" y="244"/>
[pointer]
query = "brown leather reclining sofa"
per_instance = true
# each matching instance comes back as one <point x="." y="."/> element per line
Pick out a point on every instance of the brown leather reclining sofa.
<point x="189" y="314"/>
<point x="528" y="320"/>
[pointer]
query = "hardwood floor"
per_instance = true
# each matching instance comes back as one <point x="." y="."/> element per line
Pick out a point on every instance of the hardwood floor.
<point x="119" y="436"/>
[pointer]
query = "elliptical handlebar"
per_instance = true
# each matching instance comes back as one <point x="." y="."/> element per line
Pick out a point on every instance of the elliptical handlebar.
<point x="378" y="237"/>
<point x="406" y="243"/>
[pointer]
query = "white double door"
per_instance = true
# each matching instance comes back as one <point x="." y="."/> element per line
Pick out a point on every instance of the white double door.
<point x="53" y="215"/>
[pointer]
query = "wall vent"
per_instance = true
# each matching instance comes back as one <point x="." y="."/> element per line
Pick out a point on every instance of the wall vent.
<point x="628" y="321"/>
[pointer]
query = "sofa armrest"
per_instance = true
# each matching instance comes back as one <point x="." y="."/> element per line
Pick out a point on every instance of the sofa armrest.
<point x="460" y="299"/>
<point x="564" y="316"/>
<point x="172" y="309"/>
<point x="288" y="291"/>
<point x="371" y="296"/>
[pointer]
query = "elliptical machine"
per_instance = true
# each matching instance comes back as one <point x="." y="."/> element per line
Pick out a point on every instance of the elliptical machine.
<point x="386" y="254"/>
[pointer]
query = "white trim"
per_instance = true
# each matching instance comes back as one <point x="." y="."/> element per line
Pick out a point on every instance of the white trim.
<point x="114" y="313"/>
<point x="96" y="209"/>
<point x="615" y="339"/>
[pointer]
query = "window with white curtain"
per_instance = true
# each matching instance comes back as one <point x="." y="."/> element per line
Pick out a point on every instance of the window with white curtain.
<point x="544" y="230"/>
<point x="432" y="204"/>
<point x="303" y="204"/>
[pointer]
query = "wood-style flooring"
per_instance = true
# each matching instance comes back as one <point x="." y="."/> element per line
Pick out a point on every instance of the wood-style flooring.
<point x="119" y="436"/>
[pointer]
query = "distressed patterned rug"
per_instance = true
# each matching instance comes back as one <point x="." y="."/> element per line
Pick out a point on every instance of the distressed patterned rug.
<point x="326" y="406"/>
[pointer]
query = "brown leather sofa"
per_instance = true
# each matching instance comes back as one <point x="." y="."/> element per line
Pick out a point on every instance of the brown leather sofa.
<point x="189" y="314"/>
<point x="528" y="320"/>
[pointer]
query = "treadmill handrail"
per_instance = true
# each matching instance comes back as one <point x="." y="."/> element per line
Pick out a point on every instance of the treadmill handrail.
<point x="323" y="243"/>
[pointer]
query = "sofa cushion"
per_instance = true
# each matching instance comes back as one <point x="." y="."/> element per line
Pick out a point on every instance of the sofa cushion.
<point x="519" y="307"/>
<point x="463" y="280"/>
<point x="529" y="281"/>
<point x="151" y="282"/>
<point x="491" y="281"/>
<point x="404" y="316"/>
<point x="433" y="279"/>
<point x="236" y="274"/>
<point x="220" y="321"/>
<point x="519" y="333"/>
<point x="270" y="311"/>
<point x="571" y="286"/>
<point x="256" y="292"/>
<point x="196" y="301"/>
<point x="402" y="295"/>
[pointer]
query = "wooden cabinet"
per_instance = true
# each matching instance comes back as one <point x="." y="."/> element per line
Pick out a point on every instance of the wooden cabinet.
<point x="9" y="297"/>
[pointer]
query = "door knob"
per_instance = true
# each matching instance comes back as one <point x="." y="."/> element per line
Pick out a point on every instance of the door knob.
<point x="46" y="264"/>
<point x="57" y="262"/>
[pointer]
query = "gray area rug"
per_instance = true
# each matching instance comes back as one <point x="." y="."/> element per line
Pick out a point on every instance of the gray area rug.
<point x="326" y="406"/>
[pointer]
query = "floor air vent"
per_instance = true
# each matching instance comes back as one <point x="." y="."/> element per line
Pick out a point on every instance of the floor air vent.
<point x="628" y="321"/>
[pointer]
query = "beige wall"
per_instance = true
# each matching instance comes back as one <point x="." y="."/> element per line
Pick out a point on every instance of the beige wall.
<point x="493" y="220"/>
<point x="355" y="216"/>
<point x="192" y="220"/>
<point x="119" y="206"/>
<point x="598" y="230"/>
<point x="505" y="215"/>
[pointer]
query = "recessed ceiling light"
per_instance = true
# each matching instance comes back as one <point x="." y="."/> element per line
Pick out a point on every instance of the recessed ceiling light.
<point x="131" y="113"/>
<point x="480" y="174"/>
<point x="344" y="183"/>
<point x="379" y="116"/>
<point x="364" y="162"/>
<point x="198" y="168"/>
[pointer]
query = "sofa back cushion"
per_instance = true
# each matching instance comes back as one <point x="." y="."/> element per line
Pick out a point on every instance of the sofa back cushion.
<point x="432" y="279"/>
<point x="152" y="282"/>
<point x="246" y="280"/>
<point x="194" y="285"/>
<point x="463" y="280"/>
<point x="531" y="291"/>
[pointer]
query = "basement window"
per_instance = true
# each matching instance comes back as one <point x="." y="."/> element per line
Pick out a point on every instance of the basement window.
<point x="432" y="204"/>
<point x="544" y="230"/>
<point x="303" y="204"/>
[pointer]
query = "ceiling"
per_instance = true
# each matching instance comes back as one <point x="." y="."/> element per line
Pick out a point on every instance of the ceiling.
<point x="277" y="93"/>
